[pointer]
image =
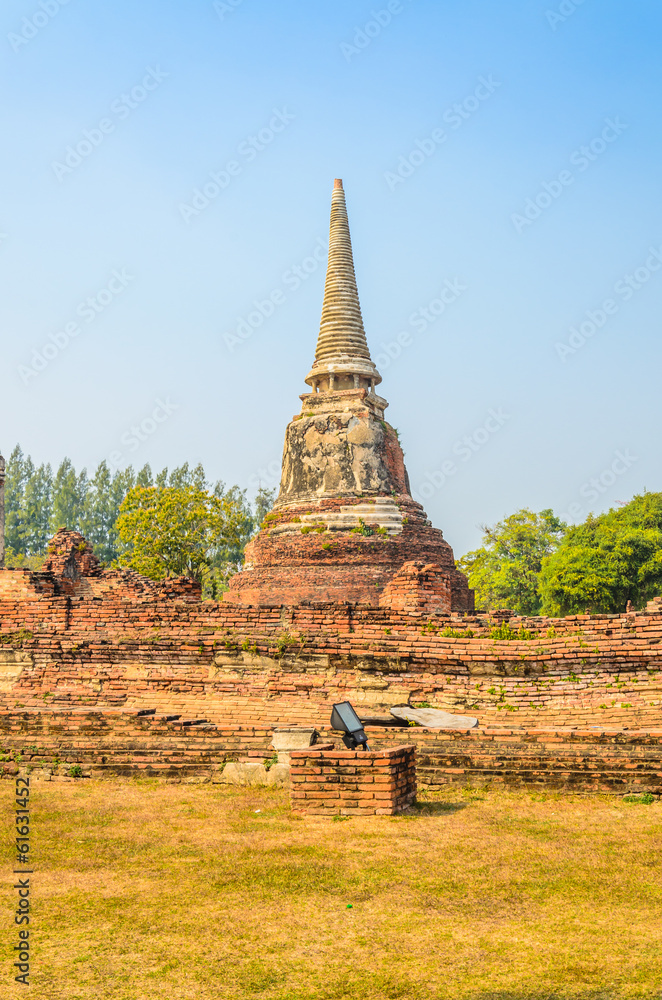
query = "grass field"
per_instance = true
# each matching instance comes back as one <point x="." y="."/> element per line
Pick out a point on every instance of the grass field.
<point x="145" y="890"/>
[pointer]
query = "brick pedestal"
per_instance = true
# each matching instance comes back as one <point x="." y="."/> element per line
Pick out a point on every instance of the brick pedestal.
<point x="353" y="783"/>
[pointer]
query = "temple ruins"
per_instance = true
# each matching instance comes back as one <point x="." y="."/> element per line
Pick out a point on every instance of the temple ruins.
<point x="348" y="594"/>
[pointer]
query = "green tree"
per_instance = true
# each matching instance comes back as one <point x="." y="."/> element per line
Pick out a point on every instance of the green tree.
<point x="229" y="558"/>
<point x="28" y="503"/>
<point x="69" y="496"/>
<point x="102" y="501"/>
<point x="264" y="501"/>
<point x="504" y="571"/>
<point x="19" y="469"/>
<point x="123" y="481"/>
<point x="226" y="558"/>
<point x="185" y="476"/>
<point x="177" y="530"/>
<point x="37" y="504"/>
<point x="37" y="507"/>
<point x="607" y="561"/>
<point x="144" y="477"/>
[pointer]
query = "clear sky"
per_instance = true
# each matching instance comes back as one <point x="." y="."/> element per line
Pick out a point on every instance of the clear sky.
<point x="502" y="169"/>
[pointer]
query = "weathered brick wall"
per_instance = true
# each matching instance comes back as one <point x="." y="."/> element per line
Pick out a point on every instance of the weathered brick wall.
<point x="111" y="743"/>
<point x="279" y="665"/>
<point x="110" y="644"/>
<point x="115" y="743"/>
<point x="353" y="783"/>
<point x="418" y="587"/>
<point x="580" y="760"/>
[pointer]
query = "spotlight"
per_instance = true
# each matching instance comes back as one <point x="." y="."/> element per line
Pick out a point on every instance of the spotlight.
<point x="344" y="718"/>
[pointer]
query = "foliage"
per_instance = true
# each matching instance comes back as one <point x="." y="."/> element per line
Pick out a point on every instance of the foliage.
<point x="264" y="501"/>
<point x="101" y="508"/>
<point x="505" y="633"/>
<point x="182" y="530"/>
<point x="28" y="506"/>
<point x="362" y="529"/>
<point x="70" y="492"/>
<point x="18" y="560"/>
<point x="15" y="639"/>
<point x="504" y="571"/>
<point x="38" y="503"/>
<point x="607" y="561"/>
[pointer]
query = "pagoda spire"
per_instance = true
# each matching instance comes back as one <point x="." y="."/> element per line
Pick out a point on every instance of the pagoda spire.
<point x="342" y="357"/>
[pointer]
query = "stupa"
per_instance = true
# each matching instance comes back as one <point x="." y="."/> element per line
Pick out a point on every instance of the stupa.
<point x="345" y="524"/>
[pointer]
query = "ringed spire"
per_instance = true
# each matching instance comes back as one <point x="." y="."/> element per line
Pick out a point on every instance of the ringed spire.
<point x="342" y="357"/>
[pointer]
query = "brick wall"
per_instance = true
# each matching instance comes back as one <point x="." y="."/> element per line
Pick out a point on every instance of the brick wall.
<point x="579" y="760"/>
<point x="119" y="641"/>
<point x="278" y="665"/>
<point x="329" y="782"/>
<point x="418" y="587"/>
<point x="112" y="743"/>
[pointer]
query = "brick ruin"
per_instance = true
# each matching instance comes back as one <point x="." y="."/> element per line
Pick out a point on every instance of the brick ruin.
<point x="348" y="594"/>
<point x="118" y="673"/>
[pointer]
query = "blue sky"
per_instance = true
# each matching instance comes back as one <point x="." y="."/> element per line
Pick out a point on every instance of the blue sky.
<point x="448" y="121"/>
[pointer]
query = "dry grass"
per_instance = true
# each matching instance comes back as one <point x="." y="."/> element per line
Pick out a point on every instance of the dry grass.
<point x="157" y="891"/>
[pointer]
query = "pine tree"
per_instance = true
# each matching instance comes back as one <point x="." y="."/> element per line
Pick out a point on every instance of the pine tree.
<point x="99" y="513"/>
<point x="17" y="474"/>
<point x="69" y="495"/>
<point x="37" y="508"/>
<point x="123" y="481"/>
<point x="144" y="477"/>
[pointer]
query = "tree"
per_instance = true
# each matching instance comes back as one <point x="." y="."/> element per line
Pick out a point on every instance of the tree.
<point x="101" y="506"/>
<point x="37" y="504"/>
<point x="17" y="474"/>
<point x="144" y="477"/>
<point x="504" y="571"/>
<point x="28" y="509"/>
<point x="123" y="481"/>
<point x="69" y="496"/>
<point x="264" y="501"/>
<point x="607" y="561"/>
<point x="178" y="530"/>
<point x="225" y="558"/>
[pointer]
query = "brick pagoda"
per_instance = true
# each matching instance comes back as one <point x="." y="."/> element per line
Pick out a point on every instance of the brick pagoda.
<point x="345" y="524"/>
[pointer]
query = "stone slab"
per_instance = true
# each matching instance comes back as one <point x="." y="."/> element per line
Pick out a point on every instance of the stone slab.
<point x="294" y="738"/>
<point x="434" y="718"/>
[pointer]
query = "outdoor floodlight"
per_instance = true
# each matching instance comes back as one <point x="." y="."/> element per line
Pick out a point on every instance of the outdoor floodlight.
<point x="344" y="718"/>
